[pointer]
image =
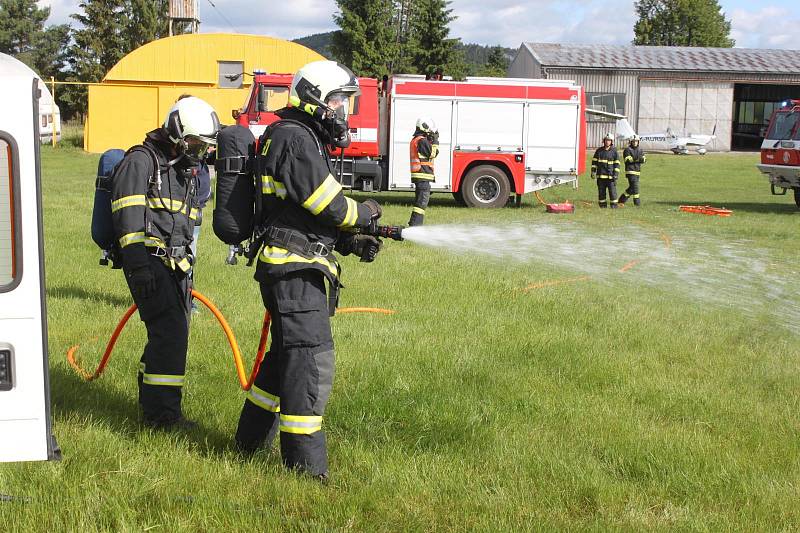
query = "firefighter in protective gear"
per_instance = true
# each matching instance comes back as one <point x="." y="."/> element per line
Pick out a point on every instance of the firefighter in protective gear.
<point x="634" y="158"/>
<point x="605" y="169"/>
<point x="304" y="215"/>
<point x="153" y="215"/>
<point x="423" y="150"/>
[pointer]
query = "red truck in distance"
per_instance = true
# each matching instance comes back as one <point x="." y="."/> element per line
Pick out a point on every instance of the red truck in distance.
<point x="498" y="137"/>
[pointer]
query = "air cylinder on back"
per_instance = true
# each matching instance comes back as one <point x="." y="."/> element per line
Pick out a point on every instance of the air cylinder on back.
<point x="102" y="226"/>
<point x="235" y="193"/>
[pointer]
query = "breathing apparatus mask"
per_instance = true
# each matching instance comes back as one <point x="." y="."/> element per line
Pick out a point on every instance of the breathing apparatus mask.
<point x="335" y="121"/>
<point x="323" y="89"/>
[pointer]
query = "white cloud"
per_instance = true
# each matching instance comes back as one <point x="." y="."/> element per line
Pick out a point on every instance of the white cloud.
<point x="766" y="27"/>
<point x="489" y="22"/>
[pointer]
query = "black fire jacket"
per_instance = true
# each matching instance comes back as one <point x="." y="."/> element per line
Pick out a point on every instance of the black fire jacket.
<point x="300" y="193"/>
<point x="160" y="218"/>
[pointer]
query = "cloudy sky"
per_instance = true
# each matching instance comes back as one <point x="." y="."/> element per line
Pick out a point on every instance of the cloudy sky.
<point x="761" y="24"/>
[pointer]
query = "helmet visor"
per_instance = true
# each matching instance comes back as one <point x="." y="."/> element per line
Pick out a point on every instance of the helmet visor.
<point x="339" y="103"/>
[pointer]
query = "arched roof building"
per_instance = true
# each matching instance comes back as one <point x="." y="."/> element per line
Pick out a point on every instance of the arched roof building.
<point x="137" y="92"/>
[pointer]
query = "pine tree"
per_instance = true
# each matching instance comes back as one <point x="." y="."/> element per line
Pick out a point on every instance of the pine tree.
<point x="366" y="38"/>
<point x="110" y="29"/>
<point x="146" y="21"/>
<point x="23" y="35"/>
<point x="432" y="52"/>
<point x="497" y="63"/>
<point x="681" y="23"/>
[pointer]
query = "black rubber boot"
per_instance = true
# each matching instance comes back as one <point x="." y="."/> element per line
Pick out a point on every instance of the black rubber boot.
<point x="416" y="219"/>
<point x="637" y="202"/>
<point x="603" y="205"/>
<point x="623" y="198"/>
<point x="614" y="205"/>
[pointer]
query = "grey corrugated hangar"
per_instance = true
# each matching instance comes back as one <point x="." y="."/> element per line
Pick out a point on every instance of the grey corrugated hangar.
<point x="729" y="91"/>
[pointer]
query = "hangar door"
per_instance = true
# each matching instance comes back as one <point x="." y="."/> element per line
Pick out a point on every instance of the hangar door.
<point x="686" y="107"/>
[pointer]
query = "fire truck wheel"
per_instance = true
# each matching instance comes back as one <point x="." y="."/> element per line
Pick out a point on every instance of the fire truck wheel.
<point x="458" y="196"/>
<point x="486" y="186"/>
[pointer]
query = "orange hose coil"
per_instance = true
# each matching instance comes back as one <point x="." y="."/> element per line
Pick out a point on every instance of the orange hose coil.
<point x="245" y="383"/>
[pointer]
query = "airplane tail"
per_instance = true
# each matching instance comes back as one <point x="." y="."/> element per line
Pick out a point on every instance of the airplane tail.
<point x="624" y="129"/>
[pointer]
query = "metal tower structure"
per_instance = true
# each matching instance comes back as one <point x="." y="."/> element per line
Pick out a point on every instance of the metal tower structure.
<point x="183" y="12"/>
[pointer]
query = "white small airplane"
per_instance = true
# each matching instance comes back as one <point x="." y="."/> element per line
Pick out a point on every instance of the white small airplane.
<point x="678" y="144"/>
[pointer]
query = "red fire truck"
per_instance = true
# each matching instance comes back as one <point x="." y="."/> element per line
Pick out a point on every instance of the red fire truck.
<point x="498" y="137"/>
<point x="780" y="151"/>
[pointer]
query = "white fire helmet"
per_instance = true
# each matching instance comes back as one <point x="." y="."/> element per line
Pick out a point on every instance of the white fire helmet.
<point x="427" y="125"/>
<point x="327" y="84"/>
<point x="192" y="125"/>
<point x="609" y="137"/>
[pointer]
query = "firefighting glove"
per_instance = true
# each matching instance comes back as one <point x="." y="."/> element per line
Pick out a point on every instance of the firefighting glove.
<point x="142" y="282"/>
<point x="138" y="270"/>
<point x="374" y="208"/>
<point x="594" y="175"/>
<point x="366" y="247"/>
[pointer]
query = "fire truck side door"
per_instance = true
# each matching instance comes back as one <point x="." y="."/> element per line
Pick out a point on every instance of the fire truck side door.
<point x="405" y="112"/>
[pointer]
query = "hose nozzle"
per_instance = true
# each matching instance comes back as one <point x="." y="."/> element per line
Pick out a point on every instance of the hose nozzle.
<point x="389" y="232"/>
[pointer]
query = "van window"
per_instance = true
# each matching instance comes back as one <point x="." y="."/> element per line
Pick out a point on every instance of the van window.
<point x="8" y="244"/>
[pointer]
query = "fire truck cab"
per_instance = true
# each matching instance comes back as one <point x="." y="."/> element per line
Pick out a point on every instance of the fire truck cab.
<point x="780" y="151"/>
<point x="498" y="137"/>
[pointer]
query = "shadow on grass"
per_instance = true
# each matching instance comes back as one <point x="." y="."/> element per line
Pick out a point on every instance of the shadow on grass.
<point x="71" y="396"/>
<point x="80" y="293"/>
<point x="747" y="207"/>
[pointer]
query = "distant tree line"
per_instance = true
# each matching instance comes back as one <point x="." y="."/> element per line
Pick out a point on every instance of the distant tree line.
<point x="375" y="37"/>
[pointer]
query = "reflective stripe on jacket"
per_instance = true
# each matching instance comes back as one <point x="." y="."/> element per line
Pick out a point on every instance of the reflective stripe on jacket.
<point x="634" y="159"/>
<point x="160" y="218"/>
<point x="605" y="163"/>
<point x="300" y="193"/>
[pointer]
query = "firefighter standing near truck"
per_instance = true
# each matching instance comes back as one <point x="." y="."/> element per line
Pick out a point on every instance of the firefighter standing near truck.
<point x="153" y="215"/>
<point x="605" y="169"/>
<point x="634" y="157"/>
<point x="423" y="150"/>
<point x="303" y="213"/>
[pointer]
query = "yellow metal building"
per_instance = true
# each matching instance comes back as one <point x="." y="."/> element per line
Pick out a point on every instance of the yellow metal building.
<point x="136" y="94"/>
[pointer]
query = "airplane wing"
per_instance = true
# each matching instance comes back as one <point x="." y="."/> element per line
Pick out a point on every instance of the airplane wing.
<point x="605" y="114"/>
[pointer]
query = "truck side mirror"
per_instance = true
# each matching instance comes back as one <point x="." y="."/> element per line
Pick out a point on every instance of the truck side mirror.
<point x="262" y="98"/>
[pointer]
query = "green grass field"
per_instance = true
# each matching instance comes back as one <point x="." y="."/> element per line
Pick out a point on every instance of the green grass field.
<point x="477" y="406"/>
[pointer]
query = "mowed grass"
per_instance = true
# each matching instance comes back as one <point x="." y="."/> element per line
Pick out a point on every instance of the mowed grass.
<point x="477" y="406"/>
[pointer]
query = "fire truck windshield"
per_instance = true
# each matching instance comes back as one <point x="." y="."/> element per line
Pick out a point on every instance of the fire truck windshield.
<point x="783" y="125"/>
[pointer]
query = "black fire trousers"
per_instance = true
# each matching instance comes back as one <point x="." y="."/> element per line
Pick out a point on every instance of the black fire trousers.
<point x="422" y="196"/>
<point x="633" y="186"/>
<point x="162" y="368"/>
<point x="606" y="185"/>
<point x="295" y="379"/>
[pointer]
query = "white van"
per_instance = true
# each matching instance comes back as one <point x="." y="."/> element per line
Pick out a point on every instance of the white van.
<point x="49" y="113"/>
<point x="25" y="424"/>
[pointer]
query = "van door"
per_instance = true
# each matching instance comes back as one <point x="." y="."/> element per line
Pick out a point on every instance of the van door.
<point x="25" y="427"/>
